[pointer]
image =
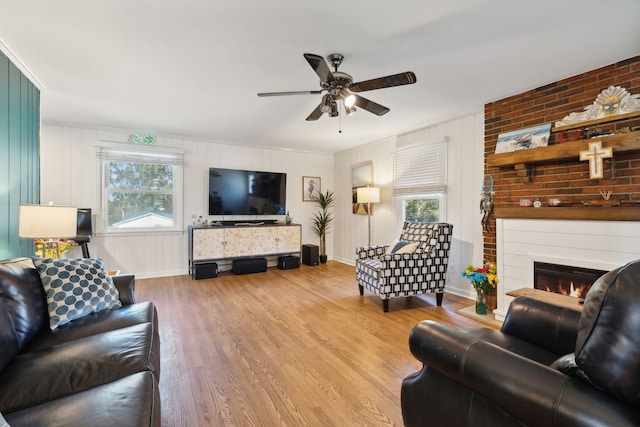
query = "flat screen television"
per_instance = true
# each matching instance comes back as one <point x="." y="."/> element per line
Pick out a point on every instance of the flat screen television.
<point x="241" y="192"/>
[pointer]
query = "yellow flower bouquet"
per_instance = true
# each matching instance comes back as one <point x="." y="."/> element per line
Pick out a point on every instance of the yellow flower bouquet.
<point x="50" y="252"/>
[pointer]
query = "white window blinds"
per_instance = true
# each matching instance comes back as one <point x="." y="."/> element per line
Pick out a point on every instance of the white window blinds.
<point x="164" y="155"/>
<point x="420" y="169"/>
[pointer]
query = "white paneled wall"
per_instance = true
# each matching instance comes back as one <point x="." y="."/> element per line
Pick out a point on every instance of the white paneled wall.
<point x="464" y="181"/>
<point x="69" y="176"/>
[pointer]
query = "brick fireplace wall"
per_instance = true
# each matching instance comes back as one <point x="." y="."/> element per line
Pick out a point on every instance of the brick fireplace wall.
<point x="567" y="180"/>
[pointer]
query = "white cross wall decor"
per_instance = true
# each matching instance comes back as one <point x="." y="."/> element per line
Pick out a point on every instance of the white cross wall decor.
<point x="594" y="155"/>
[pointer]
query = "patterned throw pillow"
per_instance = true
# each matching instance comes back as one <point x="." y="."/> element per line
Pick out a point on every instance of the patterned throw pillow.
<point x="75" y="288"/>
<point x="401" y="247"/>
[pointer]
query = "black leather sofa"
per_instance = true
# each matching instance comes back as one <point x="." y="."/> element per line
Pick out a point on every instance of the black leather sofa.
<point x="547" y="366"/>
<point x="98" y="370"/>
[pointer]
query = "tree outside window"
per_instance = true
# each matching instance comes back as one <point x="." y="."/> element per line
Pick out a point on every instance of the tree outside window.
<point x="140" y="195"/>
<point x="424" y="209"/>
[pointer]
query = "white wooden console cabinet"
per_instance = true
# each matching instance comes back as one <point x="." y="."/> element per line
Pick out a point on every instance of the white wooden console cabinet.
<point x="229" y="242"/>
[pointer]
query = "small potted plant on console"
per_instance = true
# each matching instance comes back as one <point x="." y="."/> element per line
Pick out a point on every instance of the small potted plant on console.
<point x="322" y="220"/>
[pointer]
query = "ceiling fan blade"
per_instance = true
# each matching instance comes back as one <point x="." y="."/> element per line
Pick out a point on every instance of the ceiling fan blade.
<point x="300" y="92"/>
<point x="370" y="106"/>
<point x="320" y="66"/>
<point x="315" y="114"/>
<point x="405" y="78"/>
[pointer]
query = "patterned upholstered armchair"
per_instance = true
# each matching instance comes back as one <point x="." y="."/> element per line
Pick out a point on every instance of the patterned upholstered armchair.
<point x="402" y="274"/>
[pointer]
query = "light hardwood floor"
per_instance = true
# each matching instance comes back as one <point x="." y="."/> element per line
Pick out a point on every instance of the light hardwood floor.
<point x="285" y="348"/>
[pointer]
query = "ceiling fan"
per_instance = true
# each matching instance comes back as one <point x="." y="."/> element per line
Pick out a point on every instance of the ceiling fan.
<point x="338" y="86"/>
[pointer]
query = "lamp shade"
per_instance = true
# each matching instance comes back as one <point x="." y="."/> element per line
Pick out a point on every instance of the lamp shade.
<point x="368" y="195"/>
<point x="47" y="221"/>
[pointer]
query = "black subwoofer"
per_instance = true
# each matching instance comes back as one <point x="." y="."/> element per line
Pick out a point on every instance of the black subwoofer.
<point x="288" y="262"/>
<point x="249" y="265"/>
<point x="310" y="254"/>
<point x="204" y="270"/>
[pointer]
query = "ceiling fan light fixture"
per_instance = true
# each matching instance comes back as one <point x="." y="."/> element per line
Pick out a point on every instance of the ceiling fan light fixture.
<point x="349" y="100"/>
<point x="325" y="105"/>
<point x="349" y="110"/>
<point x="334" y="109"/>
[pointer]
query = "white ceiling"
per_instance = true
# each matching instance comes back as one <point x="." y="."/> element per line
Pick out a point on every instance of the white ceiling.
<point x="193" y="67"/>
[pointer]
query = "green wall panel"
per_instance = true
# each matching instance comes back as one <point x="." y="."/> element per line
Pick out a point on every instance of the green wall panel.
<point x="19" y="154"/>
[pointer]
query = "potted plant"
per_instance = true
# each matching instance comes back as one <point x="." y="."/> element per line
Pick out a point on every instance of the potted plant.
<point x="322" y="220"/>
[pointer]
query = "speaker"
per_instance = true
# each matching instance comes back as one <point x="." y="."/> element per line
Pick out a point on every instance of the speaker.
<point x="249" y="265"/>
<point x="310" y="254"/>
<point x="204" y="270"/>
<point x="288" y="262"/>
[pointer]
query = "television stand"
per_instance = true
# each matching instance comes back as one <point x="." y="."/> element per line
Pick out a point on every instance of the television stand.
<point x="227" y="242"/>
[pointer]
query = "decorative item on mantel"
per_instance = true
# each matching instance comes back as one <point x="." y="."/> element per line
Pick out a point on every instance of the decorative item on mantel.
<point x="523" y="139"/>
<point x="595" y="154"/>
<point x="483" y="280"/>
<point x="612" y="101"/>
<point x="606" y="200"/>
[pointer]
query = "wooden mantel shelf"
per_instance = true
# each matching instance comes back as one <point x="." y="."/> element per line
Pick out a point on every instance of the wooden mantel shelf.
<point x="615" y="213"/>
<point x="569" y="150"/>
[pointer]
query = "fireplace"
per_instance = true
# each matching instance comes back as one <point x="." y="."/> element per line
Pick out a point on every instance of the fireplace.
<point x="601" y="245"/>
<point x="564" y="279"/>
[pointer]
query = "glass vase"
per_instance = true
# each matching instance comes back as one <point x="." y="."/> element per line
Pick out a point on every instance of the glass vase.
<point x="481" y="302"/>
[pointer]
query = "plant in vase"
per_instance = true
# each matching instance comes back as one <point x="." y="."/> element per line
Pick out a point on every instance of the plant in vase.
<point x="483" y="280"/>
<point x="322" y="220"/>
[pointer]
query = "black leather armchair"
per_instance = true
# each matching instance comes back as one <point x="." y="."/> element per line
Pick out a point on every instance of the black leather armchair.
<point x="547" y="366"/>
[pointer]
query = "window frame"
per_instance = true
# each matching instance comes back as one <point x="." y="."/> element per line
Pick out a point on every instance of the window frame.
<point x="106" y="154"/>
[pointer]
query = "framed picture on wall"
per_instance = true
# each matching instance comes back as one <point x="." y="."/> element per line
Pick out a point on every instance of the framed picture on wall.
<point x="310" y="188"/>
<point x="361" y="176"/>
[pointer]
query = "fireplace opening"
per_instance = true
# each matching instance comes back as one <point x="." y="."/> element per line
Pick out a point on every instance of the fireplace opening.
<point x="564" y="279"/>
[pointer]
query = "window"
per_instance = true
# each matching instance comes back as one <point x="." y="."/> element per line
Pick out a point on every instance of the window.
<point x="141" y="189"/>
<point x="419" y="181"/>
<point x="424" y="208"/>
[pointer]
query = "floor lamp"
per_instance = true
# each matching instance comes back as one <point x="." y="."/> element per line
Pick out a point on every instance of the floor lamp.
<point x="48" y="222"/>
<point x="368" y="195"/>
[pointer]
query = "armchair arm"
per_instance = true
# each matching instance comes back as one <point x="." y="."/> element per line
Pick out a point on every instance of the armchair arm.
<point x="386" y="258"/>
<point x="532" y="393"/>
<point x="365" y="252"/>
<point x="125" y="283"/>
<point x="546" y="325"/>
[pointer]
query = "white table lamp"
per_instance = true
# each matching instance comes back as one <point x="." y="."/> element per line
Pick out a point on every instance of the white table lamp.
<point x="48" y="222"/>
